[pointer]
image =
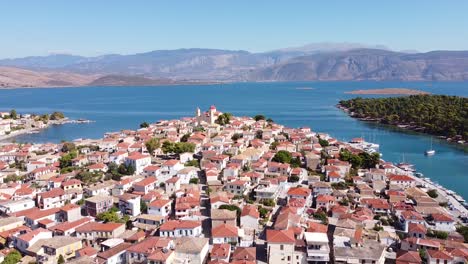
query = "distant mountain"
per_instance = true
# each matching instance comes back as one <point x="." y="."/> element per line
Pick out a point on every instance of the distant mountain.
<point x="369" y="64"/>
<point x="320" y="61"/>
<point x="331" y="47"/>
<point x="16" y="77"/>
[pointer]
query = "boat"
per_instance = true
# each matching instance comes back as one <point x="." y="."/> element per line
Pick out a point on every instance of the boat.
<point x="430" y="151"/>
<point x="418" y="174"/>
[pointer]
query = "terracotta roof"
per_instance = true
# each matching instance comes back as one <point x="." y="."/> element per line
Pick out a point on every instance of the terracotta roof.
<point x="250" y="210"/>
<point x="408" y="257"/>
<point x="99" y="227"/>
<point x="442" y="218"/>
<point x="220" y="251"/>
<point x="160" y="203"/>
<point x="172" y="225"/>
<point x="245" y="253"/>
<point x="280" y="236"/>
<point x="439" y="254"/>
<point x="299" y="191"/>
<point x="225" y="230"/>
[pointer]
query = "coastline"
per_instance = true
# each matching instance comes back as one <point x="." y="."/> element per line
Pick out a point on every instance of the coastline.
<point x="389" y="91"/>
<point x="34" y="130"/>
<point x="402" y="126"/>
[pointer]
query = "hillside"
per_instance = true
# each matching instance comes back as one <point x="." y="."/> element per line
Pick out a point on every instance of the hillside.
<point x="434" y="114"/>
<point x="369" y="64"/>
<point x="308" y="63"/>
<point x="16" y="77"/>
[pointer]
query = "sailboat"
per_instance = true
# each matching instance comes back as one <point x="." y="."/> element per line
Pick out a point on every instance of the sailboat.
<point x="430" y="151"/>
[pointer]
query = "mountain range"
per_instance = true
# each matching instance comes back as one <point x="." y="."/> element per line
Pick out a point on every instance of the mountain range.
<point x="322" y="61"/>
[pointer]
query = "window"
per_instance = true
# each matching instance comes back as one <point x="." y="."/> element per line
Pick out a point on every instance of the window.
<point x="281" y="247"/>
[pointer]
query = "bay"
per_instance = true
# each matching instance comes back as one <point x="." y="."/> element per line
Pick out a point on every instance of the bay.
<point x="294" y="104"/>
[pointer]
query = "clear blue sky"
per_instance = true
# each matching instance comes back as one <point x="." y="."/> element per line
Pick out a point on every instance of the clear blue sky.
<point x="100" y="27"/>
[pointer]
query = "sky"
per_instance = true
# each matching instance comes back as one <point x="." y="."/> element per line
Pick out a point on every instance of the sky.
<point x="93" y="28"/>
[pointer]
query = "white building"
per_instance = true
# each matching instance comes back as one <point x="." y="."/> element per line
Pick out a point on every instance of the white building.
<point x="318" y="250"/>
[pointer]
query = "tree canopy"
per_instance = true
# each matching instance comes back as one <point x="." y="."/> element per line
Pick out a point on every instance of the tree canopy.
<point x="57" y="116"/>
<point x="259" y="117"/>
<point x="224" y="119"/>
<point x="178" y="147"/>
<point x="362" y="160"/>
<point x="152" y="145"/>
<point x="144" y="125"/>
<point x="282" y="156"/>
<point x="436" y="114"/>
<point x="12" y="258"/>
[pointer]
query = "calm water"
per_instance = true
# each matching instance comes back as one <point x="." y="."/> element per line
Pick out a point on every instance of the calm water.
<point x="115" y="108"/>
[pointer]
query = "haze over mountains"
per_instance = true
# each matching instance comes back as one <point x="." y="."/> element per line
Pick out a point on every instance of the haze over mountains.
<point x="320" y="61"/>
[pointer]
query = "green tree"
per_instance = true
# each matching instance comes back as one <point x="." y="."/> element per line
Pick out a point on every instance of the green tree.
<point x="68" y="147"/>
<point x="12" y="258"/>
<point x="282" y="156"/>
<point x="259" y="117"/>
<point x="152" y="145"/>
<point x="294" y="178"/>
<point x="61" y="259"/>
<point x="323" y="142"/>
<point x="263" y="212"/>
<point x="57" y="116"/>
<point x="224" y="119"/>
<point x="194" y="181"/>
<point x="143" y="207"/>
<point x="13" y="114"/>
<point x="231" y="207"/>
<point x="144" y="125"/>
<point x="269" y="202"/>
<point x="192" y="163"/>
<point x="185" y="137"/>
<point x="433" y="193"/>
<point x="236" y="136"/>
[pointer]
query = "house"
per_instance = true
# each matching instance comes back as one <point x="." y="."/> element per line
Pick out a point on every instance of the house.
<point x="325" y="201"/>
<point x="93" y="231"/>
<point x="220" y="252"/>
<point x="223" y="216"/>
<point x="151" y="250"/>
<point x="26" y="240"/>
<point x="180" y="228"/>
<point x="149" y="222"/>
<point x="416" y="230"/>
<point x="129" y="204"/>
<point x="145" y="186"/>
<point x="237" y="187"/>
<point x="98" y="167"/>
<point x="114" y="255"/>
<point x="401" y="181"/>
<point x="407" y="217"/>
<point x="368" y="253"/>
<point x="249" y="217"/>
<point x="170" y="168"/>
<point x="9" y="223"/>
<point x="138" y="161"/>
<point x="408" y="257"/>
<point x="225" y="233"/>
<point x="318" y="250"/>
<point x="98" y="204"/>
<point x="280" y="246"/>
<point x="161" y="207"/>
<point x="439" y="256"/>
<point x="245" y="254"/>
<point x="300" y="193"/>
<point x="52" y="199"/>
<point x="68" y="228"/>
<point x="443" y="222"/>
<point x="13" y="206"/>
<point x="193" y="250"/>
<point x="187" y="173"/>
<point x="55" y="247"/>
<point x="172" y="185"/>
<point x="152" y="171"/>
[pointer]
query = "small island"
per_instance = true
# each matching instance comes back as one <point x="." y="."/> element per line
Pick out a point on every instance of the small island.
<point x="440" y="115"/>
<point x="389" y="91"/>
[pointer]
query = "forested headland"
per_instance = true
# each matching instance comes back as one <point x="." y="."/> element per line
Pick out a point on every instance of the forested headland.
<point x="439" y="115"/>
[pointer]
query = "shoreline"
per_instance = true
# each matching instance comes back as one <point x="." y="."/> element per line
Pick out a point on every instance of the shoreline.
<point x="35" y="130"/>
<point x="403" y="126"/>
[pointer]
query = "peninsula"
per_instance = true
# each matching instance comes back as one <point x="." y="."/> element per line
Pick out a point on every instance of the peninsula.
<point x="439" y="115"/>
<point x="389" y="91"/>
<point x="217" y="188"/>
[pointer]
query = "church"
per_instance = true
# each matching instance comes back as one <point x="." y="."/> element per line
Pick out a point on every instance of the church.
<point x="209" y="116"/>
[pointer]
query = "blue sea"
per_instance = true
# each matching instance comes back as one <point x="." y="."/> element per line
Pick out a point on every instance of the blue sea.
<point x="293" y="104"/>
